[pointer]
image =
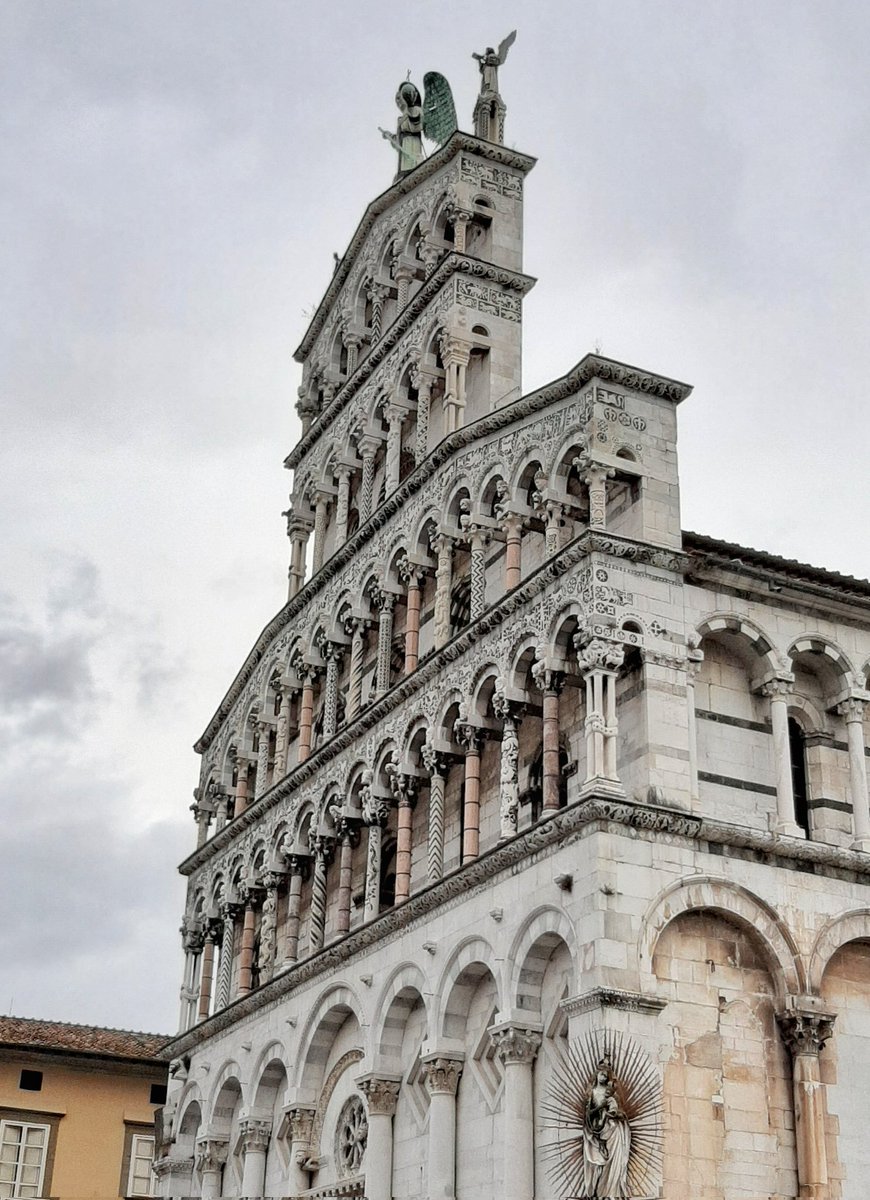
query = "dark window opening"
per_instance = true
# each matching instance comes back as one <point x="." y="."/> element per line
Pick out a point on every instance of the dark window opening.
<point x="535" y="795"/>
<point x="158" y="1093"/>
<point x="31" y="1081"/>
<point x="388" y="874"/>
<point x="797" y="752"/>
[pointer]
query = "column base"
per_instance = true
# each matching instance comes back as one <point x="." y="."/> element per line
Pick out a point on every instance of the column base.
<point x="862" y="844"/>
<point x="602" y="787"/>
<point x="788" y="829"/>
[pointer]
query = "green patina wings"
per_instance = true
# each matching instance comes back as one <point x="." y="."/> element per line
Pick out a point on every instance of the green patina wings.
<point x="439" y="111"/>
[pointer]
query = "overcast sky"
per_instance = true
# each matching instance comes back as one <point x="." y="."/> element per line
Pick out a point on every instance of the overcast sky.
<point x="175" y="178"/>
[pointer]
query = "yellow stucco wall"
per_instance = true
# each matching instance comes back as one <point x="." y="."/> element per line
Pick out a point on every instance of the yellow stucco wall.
<point x="90" y="1138"/>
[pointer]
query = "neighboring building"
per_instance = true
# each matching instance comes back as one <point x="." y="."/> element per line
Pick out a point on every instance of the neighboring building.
<point x="77" y="1107"/>
<point x="534" y="838"/>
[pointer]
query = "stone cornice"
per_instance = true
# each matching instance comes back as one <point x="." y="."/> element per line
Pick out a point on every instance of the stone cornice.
<point x="590" y="367"/>
<point x="431" y="166"/>
<point x="588" y="542"/>
<point x="611" y="998"/>
<point x="708" y="555"/>
<point x="564" y="827"/>
<point x="452" y="264"/>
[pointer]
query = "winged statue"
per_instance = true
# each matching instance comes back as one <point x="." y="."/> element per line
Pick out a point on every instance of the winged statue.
<point x="490" y="61"/>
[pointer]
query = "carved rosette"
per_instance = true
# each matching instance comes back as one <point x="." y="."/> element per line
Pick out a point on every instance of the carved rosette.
<point x="441" y="1074"/>
<point x="805" y="1032"/>
<point x="381" y="1095"/>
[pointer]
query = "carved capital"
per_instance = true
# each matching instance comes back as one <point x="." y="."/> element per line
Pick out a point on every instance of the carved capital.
<point x="441" y="1074"/>
<point x="381" y="1094"/>
<point x="468" y="735"/>
<point x="598" y="653"/>
<point x="778" y="689"/>
<point x="515" y="1043"/>
<point x="433" y="760"/>
<point x="255" y="1134"/>
<point x="300" y="1120"/>
<point x="805" y="1032"/>
<point x="211" y="1153"/>
<point x="852" y="709"/>
<point x="546" y="677"/>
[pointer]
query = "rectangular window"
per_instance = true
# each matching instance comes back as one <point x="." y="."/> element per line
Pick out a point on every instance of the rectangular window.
<point x="142" y="1180"/>
<point x="31" y="1081"/>
<point x="23" y="1150"/>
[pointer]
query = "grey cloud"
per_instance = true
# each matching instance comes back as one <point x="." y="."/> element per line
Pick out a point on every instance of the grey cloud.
<point x="40" y="668"/>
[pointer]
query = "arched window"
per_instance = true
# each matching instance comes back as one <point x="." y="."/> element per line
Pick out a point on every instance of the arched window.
<point x="798" y="755"/>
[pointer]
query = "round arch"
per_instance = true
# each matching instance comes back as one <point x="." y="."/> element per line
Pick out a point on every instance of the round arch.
<point x="848" y="927"/>
<point x="532" y="948"/>
<point x="737" y="905"/>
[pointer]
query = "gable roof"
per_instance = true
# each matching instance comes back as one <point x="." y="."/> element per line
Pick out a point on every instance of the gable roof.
<point x="59" y="1037"/>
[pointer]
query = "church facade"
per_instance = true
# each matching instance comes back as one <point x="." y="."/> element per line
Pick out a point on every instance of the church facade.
<point x="533" y="851"/>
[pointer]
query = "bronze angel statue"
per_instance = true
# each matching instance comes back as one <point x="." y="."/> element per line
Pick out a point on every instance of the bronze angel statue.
<point x="433" y="115"/>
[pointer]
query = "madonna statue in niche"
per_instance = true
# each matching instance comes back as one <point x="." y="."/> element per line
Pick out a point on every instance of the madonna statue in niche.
<point x="606" y="1140"/>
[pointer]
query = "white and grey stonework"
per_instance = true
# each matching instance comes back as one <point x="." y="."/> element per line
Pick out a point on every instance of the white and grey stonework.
<point x="529" y="812"/>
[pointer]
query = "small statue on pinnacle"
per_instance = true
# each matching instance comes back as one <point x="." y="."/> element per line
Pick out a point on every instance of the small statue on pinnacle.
<point x="490" y="109"/>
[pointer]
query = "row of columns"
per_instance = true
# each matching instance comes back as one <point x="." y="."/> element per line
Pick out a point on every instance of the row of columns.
<point x="598" y="660"/>
<point x="804" y="1030"/>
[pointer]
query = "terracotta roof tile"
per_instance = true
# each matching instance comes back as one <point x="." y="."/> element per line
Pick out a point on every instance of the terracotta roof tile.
<point x="80" y="1039"/>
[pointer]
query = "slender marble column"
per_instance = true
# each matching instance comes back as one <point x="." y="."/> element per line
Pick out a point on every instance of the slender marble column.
<point x="206" y="976"/>
<point x="695" y="658"/>
<point x="225" y="963"/>
<point x="246" y="958"/>
<point x="282" y="734"/>
<point x="317" y="929"/>
<point x="410" y="574"/>
<point x="852" y="710"/>
<point x="347" y="839"/>
<point x="356" y="629"/>
<point x="264" y="728"/>
<point x="332" y="653"/>
<point x="377" y="295"/>
<point x="300" y="1119"/>
<point x="441" y="1075"/>
<point x="386" y="602"/>
<point x="509" y="793"/>
<point x="321" y="505"/>
<point x="550" y="682"/>
<point x="516" y="1047"/>
<point x="353" y="344"/>
<point x="437" y="766"/>
<point x="424" y="399"/>
<point x="442" y="546"/>
<point x="599" y="661"/>
<point x="470" y="737"/>
<point x="778" y="692"/>
<point x="211" y="1154"/>
<point x="513" y="560"/>
<point x="478" y="540"/>
<point x="367" y="447"/>
<point x="296" y="864"/>
<point x="306" y="712"/>
<point x="255" y="1135"/>
<point x="395" y="420"/>
<point x="381" y="1097"/>
<point x="405" y="794"/>
<point x="376" y="810"/>
<point x="342" y="474"/>
<point x="805" y="1034"/>
<point x="241" y="785"/>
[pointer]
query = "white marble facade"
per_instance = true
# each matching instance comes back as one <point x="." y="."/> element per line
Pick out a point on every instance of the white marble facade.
<point x="526" y="803"/>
